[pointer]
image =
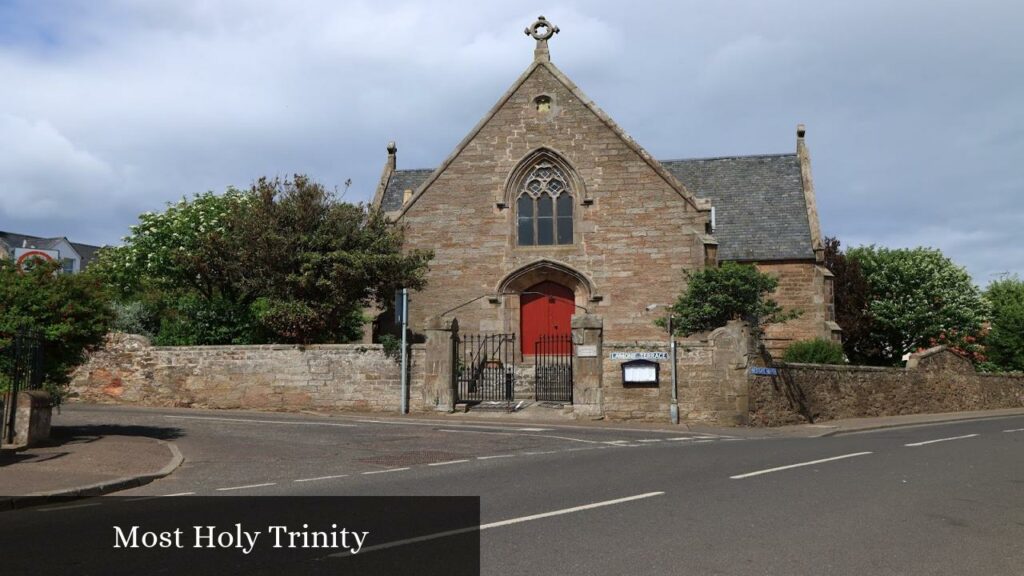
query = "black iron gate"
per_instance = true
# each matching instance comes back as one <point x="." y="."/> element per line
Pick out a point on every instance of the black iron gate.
<point x="485" y="368"/>
<point x="552" y="357"/>
<point x="21" y="368"/>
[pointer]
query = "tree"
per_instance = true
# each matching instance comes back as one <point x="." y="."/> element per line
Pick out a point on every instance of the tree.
<point x="850" y="298"/>
<point x="731" y="291"/>
<point x="1005" y="339"/>
<point x="69" y="311"/>
<point x="915" y="296"/>
<point x="283" y="261"/>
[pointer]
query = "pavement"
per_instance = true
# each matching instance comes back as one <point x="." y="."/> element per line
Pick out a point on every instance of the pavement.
<point x="86" y="459"/>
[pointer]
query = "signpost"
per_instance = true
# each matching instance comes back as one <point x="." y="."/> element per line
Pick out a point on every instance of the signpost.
<point x="402" y="317"/>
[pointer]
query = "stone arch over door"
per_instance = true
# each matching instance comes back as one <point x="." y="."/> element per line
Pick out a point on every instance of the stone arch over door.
<point x="543" y="276"/>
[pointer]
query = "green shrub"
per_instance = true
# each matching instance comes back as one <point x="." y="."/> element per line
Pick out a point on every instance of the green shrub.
<point x="69" y="311"/>
<point x="817" y="351"/>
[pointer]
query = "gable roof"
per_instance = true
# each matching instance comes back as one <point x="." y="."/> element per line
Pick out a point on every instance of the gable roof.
<point x="86" y="252"/>
<point x="538" y="63"/>
<point x="760" y="207"/>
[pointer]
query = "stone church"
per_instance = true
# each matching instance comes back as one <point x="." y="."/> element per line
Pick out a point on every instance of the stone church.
<point x="548" y="209"/>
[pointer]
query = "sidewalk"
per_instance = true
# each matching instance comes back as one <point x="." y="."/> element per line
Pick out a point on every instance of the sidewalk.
<point x="84" y="461"/>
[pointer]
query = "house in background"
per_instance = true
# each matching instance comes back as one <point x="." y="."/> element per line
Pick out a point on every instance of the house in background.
<point x="74" y="257"/>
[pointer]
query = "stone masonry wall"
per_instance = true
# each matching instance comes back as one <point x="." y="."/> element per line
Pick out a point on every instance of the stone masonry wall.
<point x="935" y="380"/>
<point x="273" y="377"/>
<point x="711" y="375"/>
<point x="803" y="286"/>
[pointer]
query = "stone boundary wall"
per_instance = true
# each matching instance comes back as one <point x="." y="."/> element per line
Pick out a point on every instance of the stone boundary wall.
<point x="128" y="370"/>
<point x="935" y="380"/>
<point x="711" y="374"/>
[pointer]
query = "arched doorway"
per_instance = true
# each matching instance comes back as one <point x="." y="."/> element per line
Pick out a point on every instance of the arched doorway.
<point x="546" y="309"/>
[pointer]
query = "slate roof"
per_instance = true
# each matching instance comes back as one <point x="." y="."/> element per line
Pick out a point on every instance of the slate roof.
<point x="402" y="180"/>
<point x="86" y="251"/>
<point x="760" y="210"/>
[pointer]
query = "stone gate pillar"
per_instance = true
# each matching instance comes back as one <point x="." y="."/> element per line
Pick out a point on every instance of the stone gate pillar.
<point x="438" y="381"/>
<point x="587" y="365"/>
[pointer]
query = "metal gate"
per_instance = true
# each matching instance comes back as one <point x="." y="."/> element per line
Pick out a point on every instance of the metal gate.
<point x="552" y="357"/>
<point x="485" y="368"/>
<point x="21" y="368"/>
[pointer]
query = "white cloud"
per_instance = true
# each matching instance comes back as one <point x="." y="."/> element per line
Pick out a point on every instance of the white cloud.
<point x="119" y="106"/>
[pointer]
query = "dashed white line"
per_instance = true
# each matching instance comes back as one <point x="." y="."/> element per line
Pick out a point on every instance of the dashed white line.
<point x="385" y="471"/>
<point x="650" y="440"/>
<point x="811" y="463"/>
<point x="677" y="439"/>
<point x="417" y="423"/>
<point x="1015" y="430"/>
<point x="499" y="524"/>
<point x="447" y="462"/>
<point x="495" y="456"/>
<point x="331" y="477"/>
<point x="246" y="486"/>
<point x="941" y="440"/>
<point x="255" y="421"/>
<point x="178" y="494"/>
<point x="538" y="453"/>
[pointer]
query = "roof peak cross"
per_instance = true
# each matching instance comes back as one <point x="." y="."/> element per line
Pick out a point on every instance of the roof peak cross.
<point x="541" y="31"/>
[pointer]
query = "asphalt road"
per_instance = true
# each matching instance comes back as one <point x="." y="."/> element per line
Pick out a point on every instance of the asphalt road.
<point x="937" y="499"/>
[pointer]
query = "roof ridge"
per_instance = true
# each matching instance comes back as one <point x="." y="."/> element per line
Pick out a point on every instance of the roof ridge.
<point x="735" y="156"/>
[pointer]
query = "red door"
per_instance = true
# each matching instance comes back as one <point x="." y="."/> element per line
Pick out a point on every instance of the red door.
<point x="545" y="310"/>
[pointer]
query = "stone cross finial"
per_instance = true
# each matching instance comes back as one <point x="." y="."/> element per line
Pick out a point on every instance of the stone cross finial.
<point x="541" y="30"/>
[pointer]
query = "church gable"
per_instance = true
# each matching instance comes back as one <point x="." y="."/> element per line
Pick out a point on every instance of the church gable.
<point x="543" y="109"/>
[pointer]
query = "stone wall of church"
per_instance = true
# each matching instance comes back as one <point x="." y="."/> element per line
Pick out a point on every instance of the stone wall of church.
<point x="803" y="286"/>
<point x="127" y="370"/>
<point x="633" y="243"/>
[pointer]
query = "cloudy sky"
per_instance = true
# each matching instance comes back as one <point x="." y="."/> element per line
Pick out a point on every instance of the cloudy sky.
<point x="914" y="109"/>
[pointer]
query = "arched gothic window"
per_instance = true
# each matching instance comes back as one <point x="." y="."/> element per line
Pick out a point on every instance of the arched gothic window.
<point x="544" y="208"/>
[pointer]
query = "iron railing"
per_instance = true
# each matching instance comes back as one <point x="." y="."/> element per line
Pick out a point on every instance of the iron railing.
<point x="485" y="368"/>
<point x="552" y="357"/>
<point x="21" y="368"/>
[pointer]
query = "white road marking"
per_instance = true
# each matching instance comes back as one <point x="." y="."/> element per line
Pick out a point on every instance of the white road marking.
<point x="941" y="440"/>
<point x="1015" y="430"/>
<point x="178" y="494"/>
<point x="476" y="432"/>
<point x="651" y="440"/>
<point x="386" y="471"/>
<point x="451" y="425"/>
<point x="321" y="478"/>
<point x="256" y="421"/>
<point x="498" y="524"/>
<point x="245" y="487"/>
<point x="677" y="439"/>
<point x="702" y="441"/>
<point x="495" y="456"/>
<point x="447" y="463"/>
<point x="68" y="507"/>
<point x="538" y="453"/>
<point x="811" y="463"/>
